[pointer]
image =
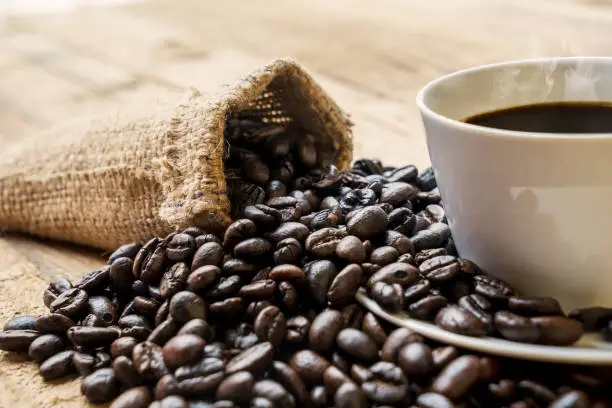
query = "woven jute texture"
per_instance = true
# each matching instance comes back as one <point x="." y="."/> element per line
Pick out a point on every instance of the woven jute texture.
<point x="105" y="182"/>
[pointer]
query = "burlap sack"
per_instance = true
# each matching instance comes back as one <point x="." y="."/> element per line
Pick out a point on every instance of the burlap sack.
<point x="106" y="182"/>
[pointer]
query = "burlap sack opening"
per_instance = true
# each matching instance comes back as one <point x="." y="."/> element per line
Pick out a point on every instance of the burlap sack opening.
<point x="105" y="182"/>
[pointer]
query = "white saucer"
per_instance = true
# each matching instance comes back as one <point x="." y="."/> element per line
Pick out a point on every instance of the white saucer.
<point x="589" y="350"/>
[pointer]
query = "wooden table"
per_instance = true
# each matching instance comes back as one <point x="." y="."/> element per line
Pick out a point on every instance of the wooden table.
<point x="372" y="57"/>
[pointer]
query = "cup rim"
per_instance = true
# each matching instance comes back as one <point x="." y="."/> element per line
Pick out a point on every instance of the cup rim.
<point x="504" y="133"/>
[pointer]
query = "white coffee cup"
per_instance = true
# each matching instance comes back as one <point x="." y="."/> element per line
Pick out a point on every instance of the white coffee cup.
<point x="534" y="209"/>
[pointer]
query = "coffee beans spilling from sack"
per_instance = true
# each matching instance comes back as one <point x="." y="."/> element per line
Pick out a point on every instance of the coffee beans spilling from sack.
<point x="265" y="316"/>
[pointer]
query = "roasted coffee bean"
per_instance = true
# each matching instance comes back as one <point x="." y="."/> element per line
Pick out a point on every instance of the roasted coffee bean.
<point x="203" y="277"/>
<point x="388" y="296"/>
<point x="210" y="253"/>
<point x="174" y="279"/>
<point x="433" y="400"/>
<point x="372" y="327"/>
<point x="491" y="287"/>
<point x="320" y="275"/>
<point x="121" y="275"/>
<point x="478" y="306"/>
<point x="238" y="231"/>
<point x="139" y="288"/>
<point x="149" y="360"/>
<point x="127" y="250"/>
<point x="150" y="260"/>
<point x="324" y="329"/>
<point x="399" y="241"/>
<point x="309" y="365"/>
<point x="349" y="396"/>
<point x="163" y="332"/>
<point x="396" y="193"/>
<point x="353" y="316"/>
<point x="274" y="392"/>
<point x="95" y="281"/>
<point x="56" y="366"/>
<point x="434" y="236"/>
<point x="571" y="399"/>
<point x="325" y="219"/>
<point x="534" y="306"/>
<point x="21" y="323"/>
<point x="368" y="222"/>
<point x="287" y="230"/>
<point x="236" y="387"/>
<point x="138" y="397"/>
<point x="92" y="321"/>
<point x="516" y="328"/>
<point x="427" y="254"/>
<point x="297" y="329"/>
<point x="70" y="302"/>
<point x="442" y="356"/>
<point x="146" y="306"/>
<point x="333" y="378"/>
<point x="262" y="289"/>
<point x="92" y="336"/>
<point x="204" y="238"/>
<point x="398" y="272"/>
<point x="125" y="371"/>
<point x="54" y="289"/>
<point x="558" y="330"/>
<point x="83" y="363"/>
<point x="262" y="274"/>
<point x="428" y="307"/>
<point x="198" y="327"/>
<point x="397" y="339"/>
<point x="417" y="290"/>
<point x="361" y="374"/>
<point x="133" y="320"/>
<point x="103" y="308"/>
<point x="183" y="349"/>
<point x="456" y="319"/>
<point x="384" y="255"/>
<point x="592" y="318"/>
<point x="123" y="346"/>
<point x="53" y="323"/>
<point x="281" y="202"/>
<point x="440" y="269"/>
<point x="416" y="359"/>
<point x="344" y="286"/>
<point x="100" y="386"/>
<point x="287" y="272"/>
<point x="235" y="266"/>
<point x="357" y="344"/>
<point x="288" y="296"/>
<point x="323" y="243"/>
<point x="252" y="247"/>
<point x="538" y="392"/>
<point x="434" y="213"/>
<point x="185" y="306"/>
<point x="407" y="174"/>
<point x="181" y="247"/>
<point x="44" y="347"/>
<point x="402" y="220"/>
<point x="292" y="382"/>
<point x="264" y="217"/>
<point x="254" y="359"/>
<point x="350" y="248"/>
<point x="271" y="325"/>
<point x="287" y="251"/>
<point x="388" y="385"/>
<point x="230" y="308"/>
<point x="457" y="377"/>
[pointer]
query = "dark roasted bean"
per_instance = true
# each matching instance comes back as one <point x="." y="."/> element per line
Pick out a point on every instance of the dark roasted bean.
<point x="440" y="269"/>
<point x="593" y="318"/>
<point x="324" y="329"/>
<point x="457" y="377"/>
<point x="103" y="309"/>
<point x="323" y="243"/>
<point x="398" y="272"/>
<point x="416" y="359"/>
<point x="287" y="230"/>
<point x="287" y="251"/>
<point x="253" y="359"/>
<point x="456" y="319"/>
<point x="538" y="392"/>
<point x="21" y="323"/>
<point x="127" y="250"/>
<point x="44" y="347"/>
<point x="558" y="330"/>
<point x="492" y="288"/>
<point x="416" y="291"/>
<point x="287" y="272"/>
<point x="149" y="360"/>
<point x="516" y="328"/>
<point x="123" y="346"/>
<point x="433" y="400"/>
<point x="350" y="248"/>
<point x="367" y="222"/>
<point x="349" y="396"/>
<point x="399" y="241"/>
<point x="320" y="275"/>
<point x="372" y="327"/>
<point x="344" y="286"/>
<point x="53" y="323"/>
<point x="388" y="385"/>
<point x="56" y="366"/>
<point x="271" y="325"/>
<point x="70" y="302"/>
<point x="534" y="306"/>
<point x="389" y="296"/>
<point x="357" y="344"/>
<point x="262" y="289"/>
<point x="185" y="306"/>
<point x="163" y="332"/>
<point x="100" y="386"/>
<point x="309" y="365"/>
<point x="126" y="372"/>
<point x="138" y="397"/>
<point x="236" y="387"/>
<point x="397" y="339"/>
<point x="427" y="308"/>
<point x="92" y="336"/>
<point x="183" y="349"/>
<point x="210" y="253"/>
<point x="353" y="316"/>
<point x="297" y="329"/>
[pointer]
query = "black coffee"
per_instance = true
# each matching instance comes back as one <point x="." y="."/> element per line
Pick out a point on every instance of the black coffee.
<point x="552" y="117"/>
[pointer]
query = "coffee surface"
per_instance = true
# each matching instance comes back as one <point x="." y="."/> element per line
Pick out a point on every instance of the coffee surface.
<point x="550" y="117"/>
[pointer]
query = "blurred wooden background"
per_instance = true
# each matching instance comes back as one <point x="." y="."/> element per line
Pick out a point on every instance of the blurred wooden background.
<point x="61" y="59"/>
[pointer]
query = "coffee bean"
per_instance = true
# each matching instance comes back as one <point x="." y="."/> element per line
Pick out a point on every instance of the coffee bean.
<point x="324" y="329"/>
<point x="357" y="344"/>
<point x="236" y="387"/>
<point x="149" y="360"/>
<point x="434" y="236"/>
<point x="427" y="180"/>
<point x="456" y="319"/>
<point x="56" y="366"/>
<point x="323" y="243"/>
<point x="274" y="392"/>
<point x="416" y="359"/>
<point x="492" y="288"/>
<point x="427" y="254"/>
<point x="368" y="222"/>
<point x="203" y="277"/>
<point x="320" y="275"/>
<point x="333" y="378"/>
<point x="349" y="396"/>
<point x="538" y="392"/>
<point x="384" y="255"/>
<point x="592" y="318"/>
<point x="53" y="323"/>
<point x="262" y="289"/>
<point x="103" y="309"/>
<point x="123" y="346"/>
<point x="198" y="327"/>
<point x="558" y="330"/>
<point x="44" y="347"/>
<point x="534" y="306"/>
<point x="287" y="251"/>
<point x="417" y="290"/>
<point x="361" y="374"/>
<point x="344" y="286"/>
<point x="396" y="193"/>
<point x="457" y="377"/>
<point x="571" y="399"/>
<point x="516" y="328"/>
<point x="126" y="373"/>
<point x="428" y="307"/>
<point x="92" y="336"/>
<point x="399" y="241"/>
<point x="287" y="230"/>
<point x="397" y="272"/>
<point x="309" y="365"/>
<point x="388" y="296"/>
<point x="133" y="320"/>
<point x="397" y="339"/>
<point x="95" y="281"/>
<point x="231" y="308"/>
<point x="350" y="248"/>
<point x="264" y="217"/>
<point x="257" y="306"/>
<point x="388" y="385"/>
<point x="253" y="359"/>
<point x="185" y="306"/>
<point x="433" y="400"/>
<point x="17" y="340"/>
<point x="174" y="279"/>
<point x="402" y="220"/>
<point x="121" y="275"/>
<point x="252" y="247"/>
<point x="210" y="253"/>
<point x="127" y="250"/>
<point x="146" y="306"/>
<point x="372" y="327"/>
<point x="287" y="272"/>
<point x="353" y="316"/>
<point x="139" y="397"/>
<point x="182" y="349"/>
<point x="442" y="356"/>
<point x="150" y="260"/>
<point x="20" y="323"/>
<point x="297" y="329"/>
<point x="100" y="386"/>
<point x="70" y="302"/>
<point x="271" y="325"/>
<point x="83" y="363"/>
<point x="181" y="247"/>
<point x="440" y="269"/>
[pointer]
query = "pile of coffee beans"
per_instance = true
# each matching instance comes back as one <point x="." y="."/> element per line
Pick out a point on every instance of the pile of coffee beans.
<point x="266" y="317"/>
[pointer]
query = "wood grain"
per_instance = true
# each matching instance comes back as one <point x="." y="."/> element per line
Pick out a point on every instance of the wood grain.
<point x="372" y="57"/>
